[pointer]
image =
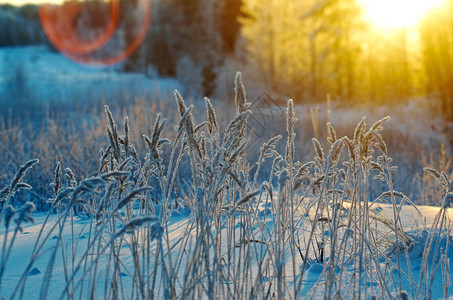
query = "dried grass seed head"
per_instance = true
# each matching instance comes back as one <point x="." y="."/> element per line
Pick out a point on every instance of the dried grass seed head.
<point x="318" y="149"/>
<point x="180" y="101"/>
<point x="21" y="173"/>
<point x="248" y="197"/>
<point x="211" y="116"/>
<point x="267" y="149"/>
<point x="290" y="117"/>
<point x="377" y="126"/>
<point x="240" y="94"/>
<point x="23" y="214"/>
<point x="359" y="131"/>
<point x="335" y="152"/>
<point x="332" y="135"/>
<point x="57" y="181"/>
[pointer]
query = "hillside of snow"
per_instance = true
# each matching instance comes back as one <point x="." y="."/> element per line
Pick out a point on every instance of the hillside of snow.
<point x="36" y="73"/>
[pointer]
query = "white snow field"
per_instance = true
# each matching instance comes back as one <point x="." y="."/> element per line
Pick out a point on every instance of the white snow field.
<point x="76" y="237"/>
<point x="38" y="74"/>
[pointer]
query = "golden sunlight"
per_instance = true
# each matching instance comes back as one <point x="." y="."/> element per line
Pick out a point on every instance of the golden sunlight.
<point x="393" y="14"/>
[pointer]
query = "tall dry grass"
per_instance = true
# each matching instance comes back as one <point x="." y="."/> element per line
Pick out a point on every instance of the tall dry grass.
<point x="310" y="229"/>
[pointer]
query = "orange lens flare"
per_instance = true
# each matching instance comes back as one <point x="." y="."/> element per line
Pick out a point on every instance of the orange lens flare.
<point x="96" y="32"/>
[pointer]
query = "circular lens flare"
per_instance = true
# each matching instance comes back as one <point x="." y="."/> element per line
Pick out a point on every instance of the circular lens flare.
<point x="96" y="32"/>
<point x="71" y="27"/>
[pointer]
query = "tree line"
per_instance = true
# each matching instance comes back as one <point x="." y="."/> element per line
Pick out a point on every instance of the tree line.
<point x="311" y="48"/>
<point x="304" y="49"/>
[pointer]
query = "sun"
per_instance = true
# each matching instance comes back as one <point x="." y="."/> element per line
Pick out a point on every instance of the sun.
<point x="394" y="14"/>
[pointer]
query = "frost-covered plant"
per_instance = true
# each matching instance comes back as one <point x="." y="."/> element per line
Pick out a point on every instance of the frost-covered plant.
<point x="438" y="240"/>
<point x="242" y="238"/>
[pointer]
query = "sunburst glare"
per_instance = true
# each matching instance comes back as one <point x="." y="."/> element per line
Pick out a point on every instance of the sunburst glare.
<point x="390" y="14"/>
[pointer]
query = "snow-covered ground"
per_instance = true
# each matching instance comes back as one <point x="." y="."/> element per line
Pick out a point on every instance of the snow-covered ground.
<point x="414" y="222"/>
<point x="39" y="74"/>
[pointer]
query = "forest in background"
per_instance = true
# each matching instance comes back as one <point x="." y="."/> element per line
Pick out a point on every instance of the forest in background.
<point x="302" y="49"/>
